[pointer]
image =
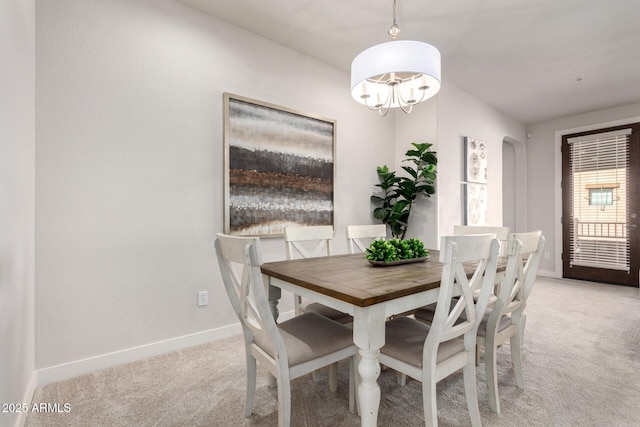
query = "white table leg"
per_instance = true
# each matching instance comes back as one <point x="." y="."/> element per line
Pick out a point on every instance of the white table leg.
<point x="274" y="294"/>
<point x="368" y="335"/>
<point x="368" y="389"/>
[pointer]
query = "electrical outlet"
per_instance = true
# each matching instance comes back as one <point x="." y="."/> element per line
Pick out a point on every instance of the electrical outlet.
<point x="203" y="298"/>
<point x="547" y="255"/>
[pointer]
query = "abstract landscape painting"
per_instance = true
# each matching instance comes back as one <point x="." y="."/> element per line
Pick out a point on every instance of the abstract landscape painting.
<point x="279" y="167"/>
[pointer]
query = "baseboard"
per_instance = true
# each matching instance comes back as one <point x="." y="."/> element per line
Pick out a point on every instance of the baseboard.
<point x="28" y="398"/>
<point x="84" y="366"/>
<point x="547" y="273"/>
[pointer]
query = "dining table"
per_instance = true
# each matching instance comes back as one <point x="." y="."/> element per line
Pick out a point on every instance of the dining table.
<point x="370" y="293"/>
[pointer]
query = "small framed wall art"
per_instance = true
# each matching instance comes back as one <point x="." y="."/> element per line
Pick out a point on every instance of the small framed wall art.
<point x="475" y="185"/>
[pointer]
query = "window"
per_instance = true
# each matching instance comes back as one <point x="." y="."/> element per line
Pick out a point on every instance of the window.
<point x="599" y="170"/>
<point x="600" y="196"/>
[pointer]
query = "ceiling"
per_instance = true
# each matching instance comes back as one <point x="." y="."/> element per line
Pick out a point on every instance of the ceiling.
<point x="533" y="60"/>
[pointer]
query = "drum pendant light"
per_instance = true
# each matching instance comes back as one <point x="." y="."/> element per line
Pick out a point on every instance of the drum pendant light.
<point x="399" y="73"/>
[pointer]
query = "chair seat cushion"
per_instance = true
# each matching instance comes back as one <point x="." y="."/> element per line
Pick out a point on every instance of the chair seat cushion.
<point x="504" y="323"/>
<point x="307" y="337"/>
<point x="492" y="297"/>
<point x="331" y="313"/>
<point x="405" y="341"/>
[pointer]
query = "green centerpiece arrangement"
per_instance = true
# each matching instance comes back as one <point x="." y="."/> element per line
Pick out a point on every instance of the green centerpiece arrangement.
<point x="396" y="251"/>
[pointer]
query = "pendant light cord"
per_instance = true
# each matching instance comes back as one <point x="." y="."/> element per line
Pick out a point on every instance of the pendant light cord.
<point x="394" y="30"/>
<point x="394" y="12"/>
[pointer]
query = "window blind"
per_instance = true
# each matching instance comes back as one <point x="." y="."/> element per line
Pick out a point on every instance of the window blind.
<point x="599" y="164"/>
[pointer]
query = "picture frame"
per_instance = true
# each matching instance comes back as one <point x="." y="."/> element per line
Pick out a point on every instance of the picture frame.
<point x="279" y="168"/>
<point x="476" y="204"/>
<point x="475" y="181"/>
<point x="475" y="155"/>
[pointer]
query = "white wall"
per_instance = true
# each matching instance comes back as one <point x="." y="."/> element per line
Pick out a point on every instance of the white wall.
<point x="129" y="170"/>
<point x="17" y="142"/>
<point x="544" y="165"/>
<point x="460" y="115"/>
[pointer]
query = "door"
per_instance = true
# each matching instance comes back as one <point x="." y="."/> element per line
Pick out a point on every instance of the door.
<point x="601" y="204"/>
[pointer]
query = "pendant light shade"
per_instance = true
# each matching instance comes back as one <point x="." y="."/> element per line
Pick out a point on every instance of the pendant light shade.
<point x="411" y="69"/>
<point x="399" y="73"/>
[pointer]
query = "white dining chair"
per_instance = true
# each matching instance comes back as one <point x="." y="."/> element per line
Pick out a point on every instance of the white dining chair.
<point x="506" y="319"/>
<point x="425" y="314"/>
<point x="431" y="353"/>
<point x="287" y="350"/>
<point x="307" y="242"/>
<point x="502" y="233"/>
<point x="360" y="236"/>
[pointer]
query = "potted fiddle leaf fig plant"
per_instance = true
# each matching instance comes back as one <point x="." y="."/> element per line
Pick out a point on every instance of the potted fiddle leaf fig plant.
<point x="399" y="193"/>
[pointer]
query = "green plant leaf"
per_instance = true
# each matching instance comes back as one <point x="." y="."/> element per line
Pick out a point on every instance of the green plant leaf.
<point x="380" y="214"/>
<point x="383" y="170"/>
<point x="410" y="171"/>
<point x="400" y="205"/>
<point x="395" y="249"/>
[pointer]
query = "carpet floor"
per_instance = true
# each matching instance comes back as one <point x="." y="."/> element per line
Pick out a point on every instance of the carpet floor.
<point x="582" y="368"/>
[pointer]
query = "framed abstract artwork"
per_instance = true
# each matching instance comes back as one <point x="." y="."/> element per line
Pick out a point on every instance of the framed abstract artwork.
<point x="475" y="185"/>
<point x="279" y="168"/>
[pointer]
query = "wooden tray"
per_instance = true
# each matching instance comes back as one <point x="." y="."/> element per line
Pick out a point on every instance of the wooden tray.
<point x="398" y="262"/>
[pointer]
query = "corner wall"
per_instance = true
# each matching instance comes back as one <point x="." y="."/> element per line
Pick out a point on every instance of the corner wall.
<point x="17" y="141"/>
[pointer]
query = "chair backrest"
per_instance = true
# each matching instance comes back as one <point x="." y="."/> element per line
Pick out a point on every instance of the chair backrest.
<point x="356" y="234"/>
<point x="239" y="261"/>
<point x="308" y="241"/>
<point x="447" y="321"/>
<point x="525" y="252"/>
<point x="502" y="233"/>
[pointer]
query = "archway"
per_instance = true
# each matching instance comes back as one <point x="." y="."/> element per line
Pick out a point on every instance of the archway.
<point x="514" y="184"/>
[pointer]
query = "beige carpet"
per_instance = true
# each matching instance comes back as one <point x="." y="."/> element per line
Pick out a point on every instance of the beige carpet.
<point x="582" y="369"/>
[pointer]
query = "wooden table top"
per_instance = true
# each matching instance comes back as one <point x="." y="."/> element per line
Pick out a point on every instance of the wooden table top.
<point x="351" y="278"/>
